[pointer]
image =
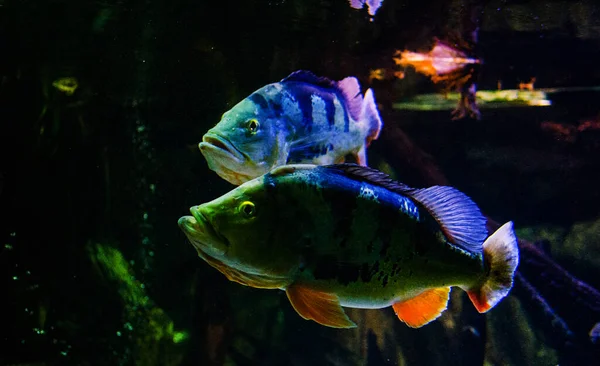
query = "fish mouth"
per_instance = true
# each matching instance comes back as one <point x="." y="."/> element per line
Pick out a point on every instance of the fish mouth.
<point x="223" y="146"/>
<point x="227" y="160"/>
<point x="202" y="234"/>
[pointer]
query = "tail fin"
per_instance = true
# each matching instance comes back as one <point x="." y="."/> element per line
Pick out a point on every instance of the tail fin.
<point x="369" y="115"/>
<point x="501" y="256"/>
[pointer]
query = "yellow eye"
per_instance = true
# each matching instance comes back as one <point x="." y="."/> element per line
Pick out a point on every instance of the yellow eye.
<point x="247" y="209"/>
<point x="252" y="125"/>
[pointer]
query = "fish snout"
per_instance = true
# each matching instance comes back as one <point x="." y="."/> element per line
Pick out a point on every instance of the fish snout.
<point x="220" y="145"/>
<point x="195" y="211"/>
<point x="202" y="234"/>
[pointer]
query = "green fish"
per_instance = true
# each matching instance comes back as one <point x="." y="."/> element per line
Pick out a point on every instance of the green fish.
<point x="348" y="235"/>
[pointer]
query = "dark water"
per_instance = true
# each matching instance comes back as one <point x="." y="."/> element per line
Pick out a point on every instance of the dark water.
<point x="95" y="271"/>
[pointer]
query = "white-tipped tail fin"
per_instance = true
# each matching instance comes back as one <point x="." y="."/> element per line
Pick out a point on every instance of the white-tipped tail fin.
<point x="369" y="115"/>
<point x="501" y="256"/>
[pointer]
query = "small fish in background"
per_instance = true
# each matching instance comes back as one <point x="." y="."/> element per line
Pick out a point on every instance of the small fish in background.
<point x="347" y="235"/>
<point x="383" y="74"/>
<point x="438" y="63"/>
<point x="372" y="5"/>
<point x="528" y="85"/>
<point x="450" y="67"/>
<point x="377" y="74"/>
<point x="301" y="119"/>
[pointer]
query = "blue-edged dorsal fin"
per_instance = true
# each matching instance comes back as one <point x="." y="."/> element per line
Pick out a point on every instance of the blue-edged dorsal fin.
<point x="305" y="76"/>
<point x="348" y="89"/>
<point x="457" y="214"/>
<point x="370" y="175"/>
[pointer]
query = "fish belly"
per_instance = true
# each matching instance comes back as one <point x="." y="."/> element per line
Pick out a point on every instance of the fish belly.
<point x="401" y="275"/>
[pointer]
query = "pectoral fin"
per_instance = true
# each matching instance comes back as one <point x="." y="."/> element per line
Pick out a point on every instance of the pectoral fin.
<point x="322" y="307"/>
<point x="423" y="308"/>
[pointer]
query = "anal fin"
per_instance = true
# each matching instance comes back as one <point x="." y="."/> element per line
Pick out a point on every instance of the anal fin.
<point x="423" y="308"/>
<point x="322" y="307"/>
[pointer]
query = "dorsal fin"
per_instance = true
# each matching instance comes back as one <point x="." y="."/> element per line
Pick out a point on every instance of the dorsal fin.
<point x="370" y="175"/>
<point x="457" y="214"/>
<point x="306" y="76"/>
<point x="348" y="89"/>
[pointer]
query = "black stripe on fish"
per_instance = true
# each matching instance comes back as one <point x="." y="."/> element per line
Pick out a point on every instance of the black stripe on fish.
<point x="259" y="100"/>
<point x="375" y="269"/>
<point x="422" y="240"/>
<point x="277" y="108"/>
<point x="348" y="273"/>
<point x="346" y="120"/>
<point x="305" y="104"/>
<point x="365" y="273"/>
<point x="329" y="108"/>
<point x="387" y="223"/>
<point x="326" y="268"/>
<point x="343" y="210"/>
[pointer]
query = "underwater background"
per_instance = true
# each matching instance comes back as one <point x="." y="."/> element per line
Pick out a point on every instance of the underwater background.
<point x="102" y="107"/>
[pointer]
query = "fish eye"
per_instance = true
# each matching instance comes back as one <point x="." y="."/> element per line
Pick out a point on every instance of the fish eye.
<point x="248" y="209"/>
<point x="252" y="126"/>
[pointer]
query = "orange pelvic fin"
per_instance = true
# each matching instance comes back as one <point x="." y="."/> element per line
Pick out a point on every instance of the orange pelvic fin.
<point x="322" y="307"/>
<point x="423" y="308"/>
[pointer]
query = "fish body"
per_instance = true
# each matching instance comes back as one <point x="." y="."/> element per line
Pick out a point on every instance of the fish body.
<point x="301" y="119"/>
<point x="346" y="235"/>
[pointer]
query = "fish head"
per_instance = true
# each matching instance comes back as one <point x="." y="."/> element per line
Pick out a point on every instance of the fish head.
<point x="247" y="142"/>
<point x="236" y="230"/>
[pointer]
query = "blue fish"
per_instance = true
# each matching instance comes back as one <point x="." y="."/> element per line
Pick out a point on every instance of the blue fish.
<point x="301" y="119"/>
